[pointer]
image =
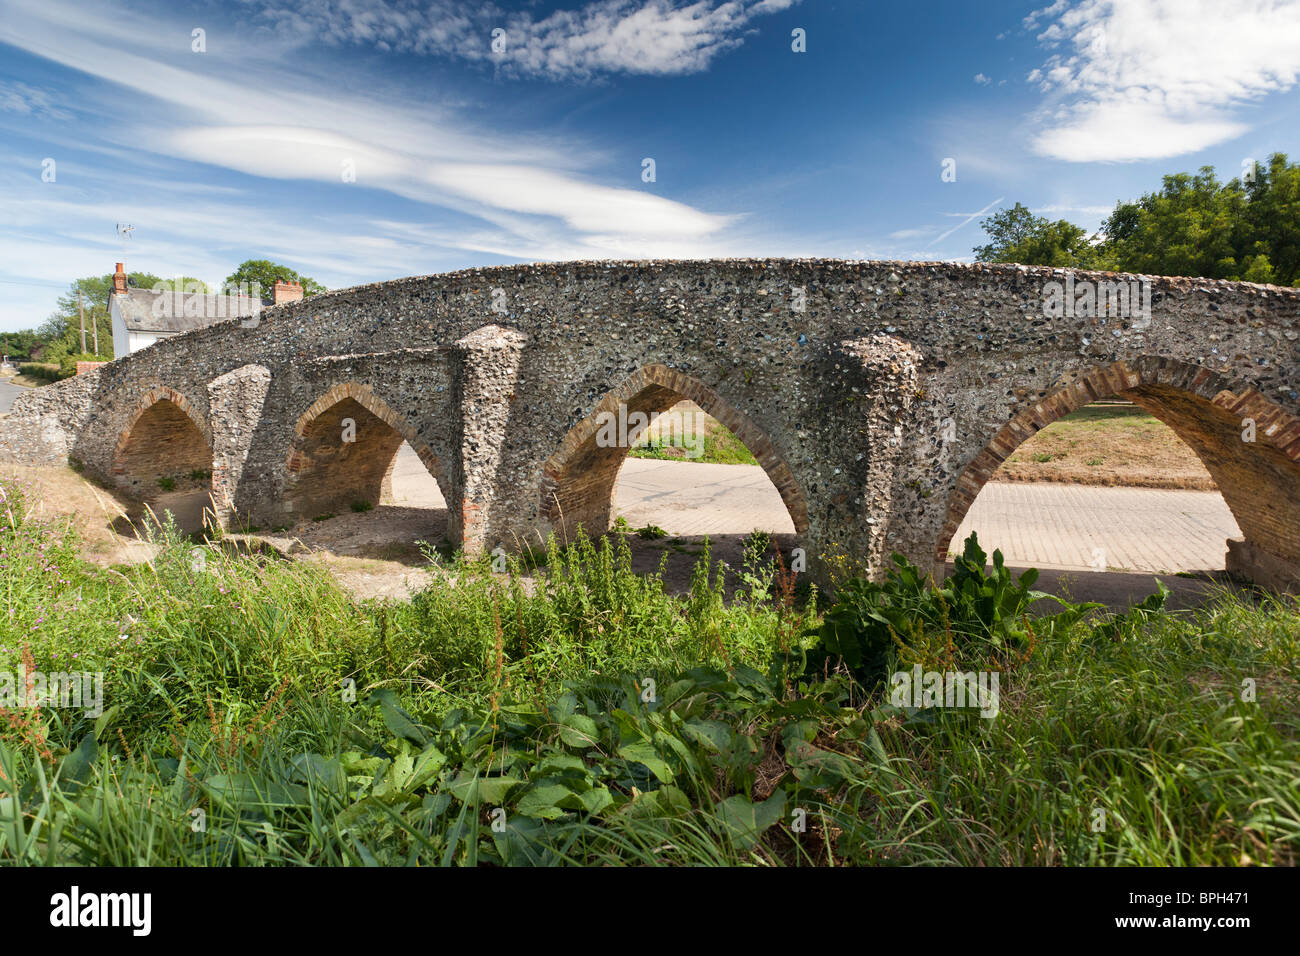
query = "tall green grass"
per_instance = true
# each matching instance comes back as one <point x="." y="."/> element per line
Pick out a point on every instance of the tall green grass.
<point x="257" y="715"/>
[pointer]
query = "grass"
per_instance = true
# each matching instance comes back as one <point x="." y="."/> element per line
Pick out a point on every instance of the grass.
<point x="719" y="447"/>
<point x="257" y="715"/>
<point x="710" y="442"/>
<point x="27" y="381"/>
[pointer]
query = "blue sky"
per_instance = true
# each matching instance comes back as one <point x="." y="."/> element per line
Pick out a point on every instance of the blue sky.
<point x="468" y="156"/>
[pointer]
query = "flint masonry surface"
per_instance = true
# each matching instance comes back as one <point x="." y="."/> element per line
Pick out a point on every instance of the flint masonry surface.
<point x="878" y="396"/>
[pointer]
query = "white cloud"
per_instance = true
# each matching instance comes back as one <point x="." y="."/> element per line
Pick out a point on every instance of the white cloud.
<point x="1148" y="79"/>
<point x="522" y="188"/>
<point x="982" y="80"/>
<point x="604" y="36"/>
<point x="1060" y="210"/>
<point x="29" y="101"/>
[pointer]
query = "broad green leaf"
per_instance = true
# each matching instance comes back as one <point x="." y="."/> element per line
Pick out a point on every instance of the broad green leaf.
<point x="106" y="718"/>
<point x="492" y="791"/>
<point x="713" y="735"/>
<point x="323" y="773"/>
<point x="643" y="752"/>
<point x="242" y="791"/>
<point x="543" y="801"/>
<point x="76" y="766"/>
<point x="578" y="730"/>
<point x="397" y="720"/>
<point x="745" y="821"/>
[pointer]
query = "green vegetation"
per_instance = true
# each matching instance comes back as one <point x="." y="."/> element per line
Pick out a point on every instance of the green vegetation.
<point x="360" y="506"/>
<point x="256" y="715"/>
<point x="266" y="274"/>
<point x="720" y="447"/>
<point x="46" y="371"/>
<point x="18" y="345"/>
<point x="1193" y="226"/>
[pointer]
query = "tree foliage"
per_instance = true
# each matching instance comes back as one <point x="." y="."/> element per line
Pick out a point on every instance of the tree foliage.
<point x="1017" y="235"/>
<point x="267" y="273"/>
<point x="1245" y="229"/>
<point x="18" y="345"/>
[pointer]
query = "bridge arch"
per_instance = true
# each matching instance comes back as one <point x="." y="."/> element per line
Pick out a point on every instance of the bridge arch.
<point x="344" y="449"/>
<point x="165" y="437"/>
<point x="1259" y="479"/>
<point x="578" y="480"/>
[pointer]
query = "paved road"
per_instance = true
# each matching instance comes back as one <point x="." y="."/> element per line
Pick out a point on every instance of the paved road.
<point x="1079" y="527"/>
<point x="1048" y="526"/>
<point x="687" y="498"/>
<point x="8" y="392"/>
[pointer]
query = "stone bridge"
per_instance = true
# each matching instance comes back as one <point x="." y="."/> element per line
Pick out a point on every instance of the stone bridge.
<point x="878" y="396"/>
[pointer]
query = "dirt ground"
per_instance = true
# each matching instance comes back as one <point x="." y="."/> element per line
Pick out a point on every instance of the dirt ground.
<point x="1114" y="445"/>
<point x="60" y="495"/>
<point x="382" y="553"/>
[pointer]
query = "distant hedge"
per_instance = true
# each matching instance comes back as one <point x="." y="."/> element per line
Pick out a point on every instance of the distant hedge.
<point x="46" y="370"/>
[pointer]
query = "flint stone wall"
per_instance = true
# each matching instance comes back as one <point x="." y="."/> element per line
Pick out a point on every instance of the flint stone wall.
<point x="878" y="395"/>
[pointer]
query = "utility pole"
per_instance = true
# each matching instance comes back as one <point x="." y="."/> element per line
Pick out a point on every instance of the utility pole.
<point x="82" y="312"/>
<point x="94" y="327"/>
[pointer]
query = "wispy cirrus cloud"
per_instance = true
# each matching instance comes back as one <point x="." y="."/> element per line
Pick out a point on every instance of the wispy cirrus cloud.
<point x="147" y="131"/>
<point x="29" y="101"/>
<point x="657" y="37"/>
<point x="1148" y="79"/>
<point x="530" y="193"/>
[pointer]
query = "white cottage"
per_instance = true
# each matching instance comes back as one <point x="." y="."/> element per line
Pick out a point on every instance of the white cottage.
<point x="141" y="317"/>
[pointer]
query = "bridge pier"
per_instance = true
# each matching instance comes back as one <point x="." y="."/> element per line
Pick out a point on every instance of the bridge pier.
<point x="1248" y="560"/>
<point x="866" y="389"/>
<point x="235" y="403"/>
<point x="485" y="366"/>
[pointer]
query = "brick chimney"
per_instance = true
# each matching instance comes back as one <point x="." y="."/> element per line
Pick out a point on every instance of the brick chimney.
<point x="119" y="280"/>
<point x="286" y="292"/>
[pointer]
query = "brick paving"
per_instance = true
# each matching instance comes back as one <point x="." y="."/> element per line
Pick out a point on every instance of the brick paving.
<point x="689" y="499"/>
<point x="1072" y="526"/>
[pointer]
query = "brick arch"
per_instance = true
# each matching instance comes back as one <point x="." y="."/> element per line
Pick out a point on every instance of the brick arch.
<point x="578" y="480"/>
<point x="164" y="434"/>
<point x="325" y="473"/>
<point x="1259" y="482"/>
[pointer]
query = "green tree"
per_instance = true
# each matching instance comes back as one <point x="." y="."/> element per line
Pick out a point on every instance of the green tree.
<point x="1247" y="228"/>
<point x="1017" y="235"/>
<point x="1272" y="216"/>
<point x="18" y="345"/>
<point x="1192" y="227"/>
<point x="266" y="274"/>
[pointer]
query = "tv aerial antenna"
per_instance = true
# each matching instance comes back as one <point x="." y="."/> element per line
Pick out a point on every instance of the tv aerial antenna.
<point x="124" y="230"/>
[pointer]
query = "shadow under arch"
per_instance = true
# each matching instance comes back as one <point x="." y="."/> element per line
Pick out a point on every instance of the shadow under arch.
<point x="344" y="449"/>
<point x="577" y="487"/>
<point x="1259" y="479"/>
<point x="164" y="437"/>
